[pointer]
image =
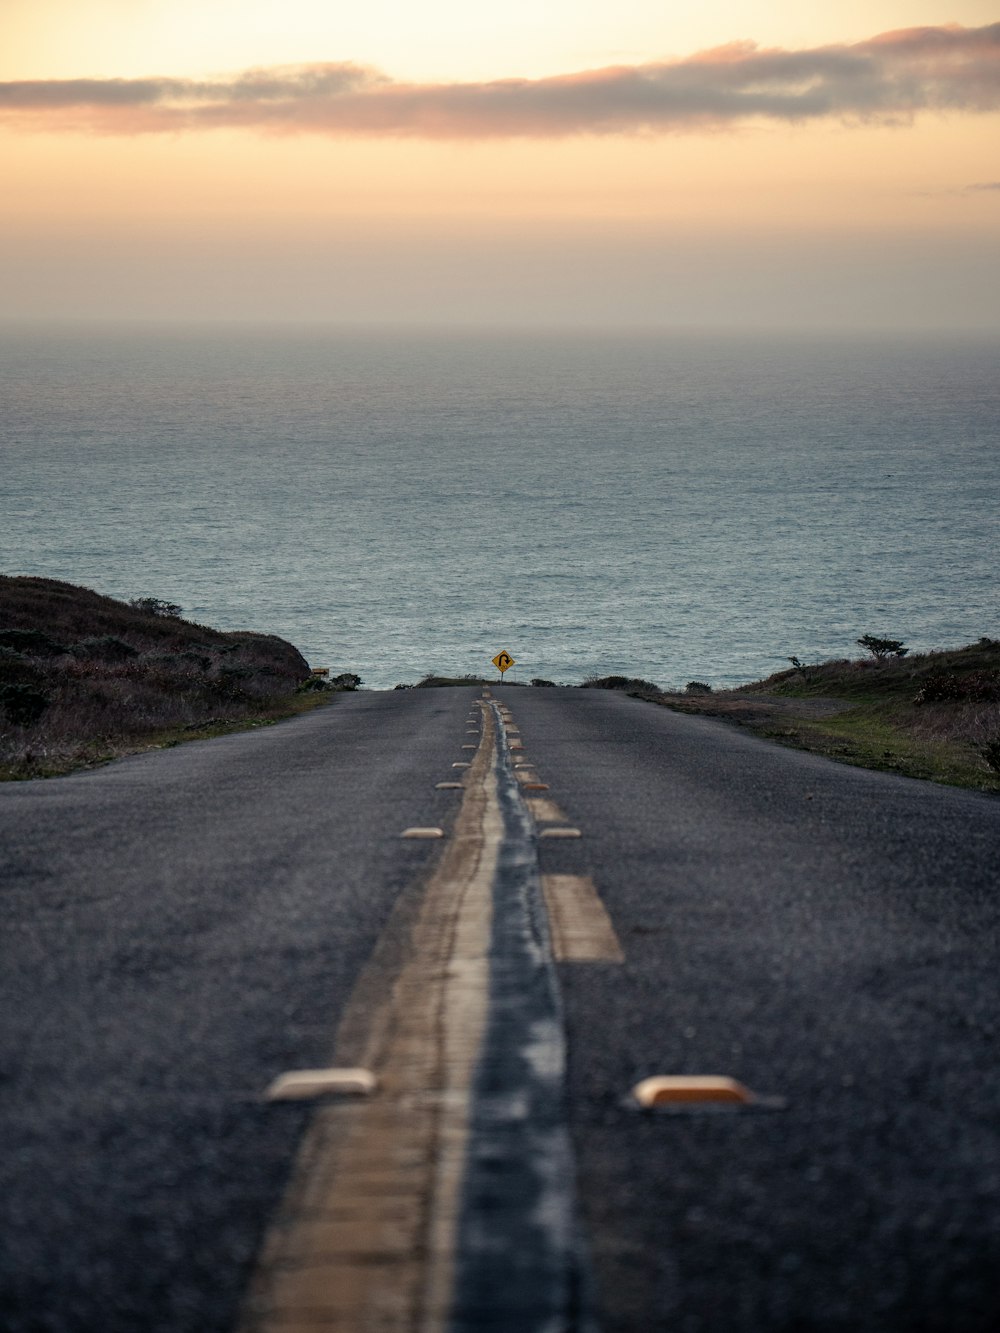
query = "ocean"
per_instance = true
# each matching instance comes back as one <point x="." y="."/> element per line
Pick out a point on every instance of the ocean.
<point x="671" y="505"/>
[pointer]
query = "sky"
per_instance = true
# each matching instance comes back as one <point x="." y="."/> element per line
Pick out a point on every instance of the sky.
<point x="592" y="164"/>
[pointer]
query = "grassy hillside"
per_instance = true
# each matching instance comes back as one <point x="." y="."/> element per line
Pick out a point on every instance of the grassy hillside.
<point x="932" y="715"/>
<point x="84" y="678"/>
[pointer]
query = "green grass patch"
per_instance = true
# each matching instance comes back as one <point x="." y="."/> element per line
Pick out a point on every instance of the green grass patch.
<point x="934" y="716"/>
<point x="864" y="737"/>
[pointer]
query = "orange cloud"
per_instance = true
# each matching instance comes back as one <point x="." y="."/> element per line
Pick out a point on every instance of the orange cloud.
<point x="889" y="77"/>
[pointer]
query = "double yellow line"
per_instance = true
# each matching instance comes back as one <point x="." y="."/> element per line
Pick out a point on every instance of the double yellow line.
<point x="366" y="1235"/>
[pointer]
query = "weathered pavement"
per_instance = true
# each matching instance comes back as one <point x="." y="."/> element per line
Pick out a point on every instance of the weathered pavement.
<point x="180" y="928"/>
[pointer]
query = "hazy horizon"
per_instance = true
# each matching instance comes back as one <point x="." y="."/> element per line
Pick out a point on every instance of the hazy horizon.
<point x="671" y="506"/>
<point x="740" y="166"/>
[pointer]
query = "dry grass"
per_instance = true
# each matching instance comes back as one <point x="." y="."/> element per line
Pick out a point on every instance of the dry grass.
<point x="108" y="679"/>
<point x="929" y="716"/>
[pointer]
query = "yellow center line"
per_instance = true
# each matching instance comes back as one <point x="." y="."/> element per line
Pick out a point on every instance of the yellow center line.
<point x="365" y="1237"/>
<point x="579" y="923"/>
<point x="544" y="811"/>
<point x="366" y="1234"/>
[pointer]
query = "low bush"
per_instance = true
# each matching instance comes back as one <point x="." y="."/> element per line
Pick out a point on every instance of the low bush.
<point x="314" y="685"/>
<point x="991" y="753"/>
<point x="16" y="669"/>
<point x="31" y="642"/>
<point x="22" y="704"/>
<point x="104" y="648"/>
<point x="347" y="680"/>
<point x="973" y="686"/>
<point x="697" y="687"/>
<point x="630" y="684"/>
<point x="195" y="659"/>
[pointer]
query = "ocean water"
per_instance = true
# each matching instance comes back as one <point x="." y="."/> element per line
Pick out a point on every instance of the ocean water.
<point x="675" y="506"/>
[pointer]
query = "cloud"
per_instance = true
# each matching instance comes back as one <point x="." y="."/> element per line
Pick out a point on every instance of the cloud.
<point x="983" y="185"/>
<point x="890" y="77"/>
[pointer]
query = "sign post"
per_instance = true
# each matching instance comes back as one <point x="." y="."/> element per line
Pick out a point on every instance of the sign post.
<point x="503" y="662"/>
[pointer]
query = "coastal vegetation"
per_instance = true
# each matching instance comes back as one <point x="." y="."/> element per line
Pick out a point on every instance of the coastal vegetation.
<point x="927" y="715"/>
<point x="86" y="678"/>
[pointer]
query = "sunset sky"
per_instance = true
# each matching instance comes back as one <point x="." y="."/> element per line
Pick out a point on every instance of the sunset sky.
<point x="596" y="163"/>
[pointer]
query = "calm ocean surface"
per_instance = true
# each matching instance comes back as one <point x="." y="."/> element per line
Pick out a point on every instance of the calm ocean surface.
<point x="674" y="506"/>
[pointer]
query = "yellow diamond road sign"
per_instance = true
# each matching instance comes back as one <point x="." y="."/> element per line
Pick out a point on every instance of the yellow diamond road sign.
<point x="503" y="662"/>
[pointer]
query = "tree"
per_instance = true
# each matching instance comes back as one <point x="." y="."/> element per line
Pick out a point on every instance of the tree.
<point x="153" y="606"/>
<point x="882" y="648"/>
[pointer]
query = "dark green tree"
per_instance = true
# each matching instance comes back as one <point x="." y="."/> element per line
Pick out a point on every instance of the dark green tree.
<point x="882" y="648"/>
<point x="153" y="606"/>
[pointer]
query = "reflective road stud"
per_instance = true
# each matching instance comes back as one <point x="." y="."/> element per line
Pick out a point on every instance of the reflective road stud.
<point x="305" y="1084"/>
<point x="666" y="1089"/>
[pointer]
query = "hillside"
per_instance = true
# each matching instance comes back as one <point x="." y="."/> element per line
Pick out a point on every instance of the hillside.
<point x="85" y="677"/>
<point x="933" y="715"/>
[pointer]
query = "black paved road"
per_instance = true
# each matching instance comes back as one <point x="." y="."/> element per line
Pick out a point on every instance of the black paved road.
<point x="821" y="933"/>
<point x="180" y="927"/>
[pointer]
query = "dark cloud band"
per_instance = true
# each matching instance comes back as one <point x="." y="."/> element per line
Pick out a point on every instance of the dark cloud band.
<point x="889" y="77"/>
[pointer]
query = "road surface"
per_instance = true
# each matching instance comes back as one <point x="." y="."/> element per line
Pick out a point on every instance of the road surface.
<point x="182" y="927"/>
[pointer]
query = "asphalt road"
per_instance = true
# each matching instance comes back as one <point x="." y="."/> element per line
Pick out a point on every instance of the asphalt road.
<point x="178" y="928"/>
<point x="823" y="934"/>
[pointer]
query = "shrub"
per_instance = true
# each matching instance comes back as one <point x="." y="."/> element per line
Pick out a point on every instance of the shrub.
<point x="314" y="685"/>
<point x="697" y="687"/>
<point x="31" y="642"/>
<point x="105" y="648"/>
<point x="191" y="658"/>
<point x="18" y="670"/>
<point x="800" y="667"/>
<point x="974" y="686"/>
<point x="541" y="682"/>
<point x="631" y="684"/>
<point x="232" y="679"/>
<point x="23" y="704"/>
<point x="153" y="606"/>
<point x="991" y="753"/>
<point x="347" y="680"/>
<point x="882" y="648"/>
